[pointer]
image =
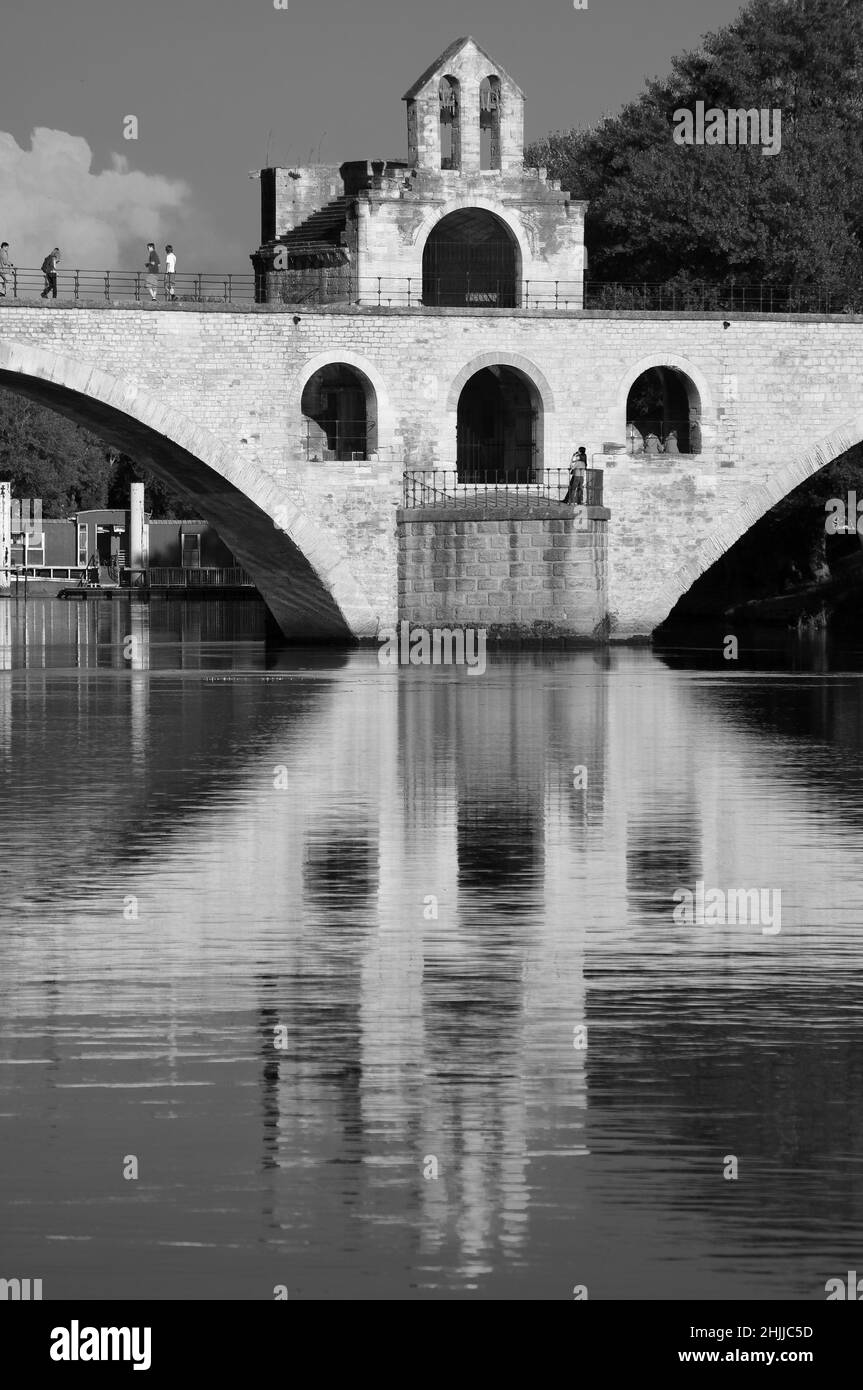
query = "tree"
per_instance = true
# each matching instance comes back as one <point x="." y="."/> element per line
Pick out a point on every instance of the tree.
<point x="161" y="500"/>
<point x="660" y="211"/>
<point x="45" y="455"/>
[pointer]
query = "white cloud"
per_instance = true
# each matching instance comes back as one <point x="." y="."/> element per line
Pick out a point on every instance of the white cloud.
<point x="50" y="196"/>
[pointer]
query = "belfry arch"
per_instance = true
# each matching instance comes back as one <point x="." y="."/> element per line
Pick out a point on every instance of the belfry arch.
<point x="449" y="121"/>
<point x="309" y="590"/>
<point x="489" y="122"/>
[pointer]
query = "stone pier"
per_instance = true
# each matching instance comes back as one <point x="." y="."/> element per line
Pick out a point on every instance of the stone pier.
<point x="522" y="571"/>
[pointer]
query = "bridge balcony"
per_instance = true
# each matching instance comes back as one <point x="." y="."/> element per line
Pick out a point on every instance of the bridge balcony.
<point x="542" y="491"/>
<point x="508" y="556"/>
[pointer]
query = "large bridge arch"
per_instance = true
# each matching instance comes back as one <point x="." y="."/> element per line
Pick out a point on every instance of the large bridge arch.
<point x="302" y="575"/>
<point x="760" y="500"/>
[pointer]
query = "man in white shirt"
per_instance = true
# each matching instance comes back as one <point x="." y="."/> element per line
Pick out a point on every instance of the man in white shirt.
<point x="170" y="268"/>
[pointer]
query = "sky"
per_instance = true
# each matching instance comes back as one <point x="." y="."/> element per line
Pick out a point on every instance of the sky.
<point x="222" y="87"/>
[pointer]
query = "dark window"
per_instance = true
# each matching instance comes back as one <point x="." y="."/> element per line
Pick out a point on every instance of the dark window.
<point x="663" y="404"/>
<point x="497" y="428"/>
<point x="339" y="414"/>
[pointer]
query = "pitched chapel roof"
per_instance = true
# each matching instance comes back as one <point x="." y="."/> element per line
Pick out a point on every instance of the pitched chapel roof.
<point x="441" y="63"/>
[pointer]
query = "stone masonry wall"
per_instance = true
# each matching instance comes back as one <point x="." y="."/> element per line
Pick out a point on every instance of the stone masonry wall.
<point x="780" y="396"/>
<point x="289" y="196"/>
<point x="520" y="575"/>
<point x="395" y="222"/>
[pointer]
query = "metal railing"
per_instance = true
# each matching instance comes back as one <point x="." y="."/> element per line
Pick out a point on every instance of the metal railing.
<point x="420" y="291"/>
<point x="447" y="487"/>
<point x="174" y="577"/>
<point x="730" y="296"/>
<point x="338" y="440"/>
<point x="37" y="571"/>
<point x="641" y="427"/>
<point x="424" y="292"/>
<point x="188" y="288"/>
<point x="169" y="576"/>
<point x="296" y="288"/>
<point x="563" y="296"/>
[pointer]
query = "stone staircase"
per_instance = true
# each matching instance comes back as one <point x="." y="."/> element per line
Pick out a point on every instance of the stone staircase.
<point x="322" y="229"/>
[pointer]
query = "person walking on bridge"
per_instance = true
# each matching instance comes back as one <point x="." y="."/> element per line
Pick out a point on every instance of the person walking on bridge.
<point x="49" y="270"/>
<point x="152" y="264"/>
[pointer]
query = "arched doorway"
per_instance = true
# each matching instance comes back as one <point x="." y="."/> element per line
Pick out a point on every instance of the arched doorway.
<point x="471" y="259"/>
<point x="663" y="405"/>
<point x="339" y="414"/>
<point x="497" y="427"/>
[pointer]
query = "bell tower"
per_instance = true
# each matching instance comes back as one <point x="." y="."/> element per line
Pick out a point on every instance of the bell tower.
<point x="465" y="115"/>
<point x="460" y="223"/>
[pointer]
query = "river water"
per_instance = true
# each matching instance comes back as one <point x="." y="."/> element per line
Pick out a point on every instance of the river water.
<point x="380" y="1004"/>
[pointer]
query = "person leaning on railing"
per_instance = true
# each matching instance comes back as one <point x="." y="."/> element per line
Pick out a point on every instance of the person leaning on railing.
<point x="577" y="474"/>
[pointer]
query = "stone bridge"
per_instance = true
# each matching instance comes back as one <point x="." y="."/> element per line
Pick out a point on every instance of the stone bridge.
<point x="212" y="399"/>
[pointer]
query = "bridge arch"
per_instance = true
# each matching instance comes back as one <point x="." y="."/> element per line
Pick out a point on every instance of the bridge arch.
<point x="689" y="377"/>
<point x="545" y="428"/>
<point x="711" y="548"/>
<point x="501" y="359"/>
<point x="300" y="572"/>
<point x="377" y="394"/>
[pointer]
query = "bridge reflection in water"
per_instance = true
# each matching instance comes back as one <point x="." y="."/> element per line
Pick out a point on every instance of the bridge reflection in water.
<point x="430" y="908"/>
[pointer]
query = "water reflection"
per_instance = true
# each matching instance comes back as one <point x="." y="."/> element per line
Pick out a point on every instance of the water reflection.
<point x="210" y="846"/>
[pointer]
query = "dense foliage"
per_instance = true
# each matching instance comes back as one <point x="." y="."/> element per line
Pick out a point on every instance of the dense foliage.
<point x="681" y="214"/>
<point x="45" y="455"/>
<point x="661" y="211"/>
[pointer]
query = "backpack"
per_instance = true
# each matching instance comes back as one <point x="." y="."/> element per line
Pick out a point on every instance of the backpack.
<point x="48" y="265"/>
